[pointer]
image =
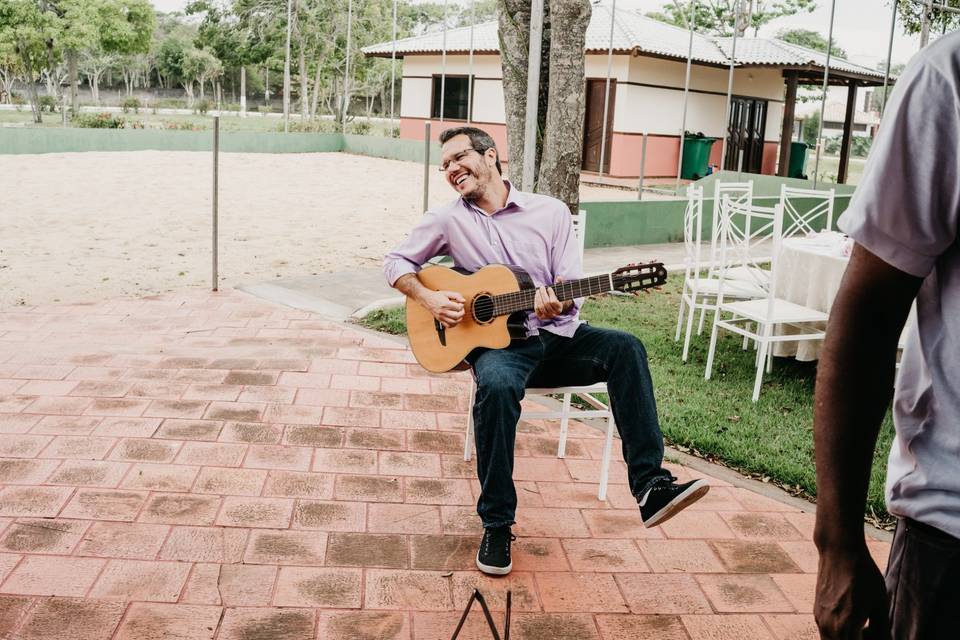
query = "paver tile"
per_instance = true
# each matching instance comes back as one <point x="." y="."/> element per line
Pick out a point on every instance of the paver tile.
<point x="266" y="456"/>
<point x="294" y="484"/>
<point x="367" y="550"/>
<point x="53" y="576"/>
<point x="230" y="482"/>
<point x="272" y="623"/>
<point x="123" y="540"/>
<point x="622" y="627"/>
<point x="259" y="513"/>
<point x="89" y="473"/>
<point x="128" y="580"/>
<point x="745" y="594"/>
<point x="29" y="501"/>
<point x="403" y="518"/>
<point x="735" y="627"/>
<point x="46" y="536"/>
<point x="178" y="429"/>
<point x="76" y="619"/>
<point x="286" y="548"/>
<point x="363" y="625"/>
<point x="161" y="477"/>
<point x="161" y="621"/>
<point x="105" y="504"/>
<point x="25" y="470"/>
<point x="332" y="588"/>
<point x="793" y="627"/>
<point x="329" y="515"/>
<point x="580" y="592"/>
<point x="23" y="446"/>
<point x="180" y="508"/>
<point x="555" y="626"/>
<point x="232" y="585"/>
<point x="612" y="556"/>
<point x="418" y="590"/>
<point x="204" y="544"/>
<point x="663" y="593"/>
<point x="345" y="461"/>
<point x="523" y="591"/>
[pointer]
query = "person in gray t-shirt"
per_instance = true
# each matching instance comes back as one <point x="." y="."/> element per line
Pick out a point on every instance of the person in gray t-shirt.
<point x="903" y="218"/>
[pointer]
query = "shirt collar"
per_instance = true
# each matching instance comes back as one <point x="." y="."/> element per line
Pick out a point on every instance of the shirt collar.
<point x="515" y="197"/>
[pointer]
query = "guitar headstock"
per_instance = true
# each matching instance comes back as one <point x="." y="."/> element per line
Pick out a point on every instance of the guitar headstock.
<point x="637" y="277"/>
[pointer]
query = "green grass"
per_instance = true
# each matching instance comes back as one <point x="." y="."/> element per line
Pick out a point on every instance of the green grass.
<point x="830" y="166"/>
<point x="715" y="419"/>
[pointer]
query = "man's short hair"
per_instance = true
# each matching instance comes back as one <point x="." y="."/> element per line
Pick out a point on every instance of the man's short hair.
<point x="480" y="140"/>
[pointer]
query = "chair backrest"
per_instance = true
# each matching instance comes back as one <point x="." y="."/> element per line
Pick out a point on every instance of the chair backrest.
<point x="804" y="209"/>
<point x="693" y="230"/>
<point x="737" y="192"/>
<point x="742" y="228"/>
<point x="579" y="221"/>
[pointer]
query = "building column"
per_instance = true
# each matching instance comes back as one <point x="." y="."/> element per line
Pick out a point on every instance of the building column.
<point x="786" y="132"/>
<point x="847" y="132"/>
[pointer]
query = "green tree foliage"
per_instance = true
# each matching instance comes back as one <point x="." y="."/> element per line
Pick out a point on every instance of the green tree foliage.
<point x="32" y="31"/>
<point x="718" y="17"/>
<point x="911" y="16"/>
<point x="811" y="40"/>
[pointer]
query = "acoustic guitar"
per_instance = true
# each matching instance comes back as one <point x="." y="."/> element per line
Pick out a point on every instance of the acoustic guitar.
<point x="498" y="298"/>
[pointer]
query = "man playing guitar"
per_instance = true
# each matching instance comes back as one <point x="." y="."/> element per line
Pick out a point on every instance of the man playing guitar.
<point x="493" y="223"/>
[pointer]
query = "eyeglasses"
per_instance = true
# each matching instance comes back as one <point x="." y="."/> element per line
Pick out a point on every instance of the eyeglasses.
<point x="457" y="159"/>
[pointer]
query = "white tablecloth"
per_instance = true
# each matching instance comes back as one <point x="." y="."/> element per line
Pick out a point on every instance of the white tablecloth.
<point x="809" y="271"/>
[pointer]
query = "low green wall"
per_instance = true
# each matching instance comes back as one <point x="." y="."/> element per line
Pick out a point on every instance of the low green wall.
<point x="392" y="148"/>
<point x="65" y="140"/>
<point x="624" y="223"/>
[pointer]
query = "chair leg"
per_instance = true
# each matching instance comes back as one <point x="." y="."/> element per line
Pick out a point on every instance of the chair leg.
<point x="713" y="345"/>
<point x="761" y="361"/>
<point x="605" y="461"/>
<point x="703" y="314"/>
<point x="564" y="422"/>
<point x="770" y="359"/>
<point x="683" y="300"/>
<point x="468" y="438"/>
<point x="691" y="311"/>
<point x="746" y="340"/>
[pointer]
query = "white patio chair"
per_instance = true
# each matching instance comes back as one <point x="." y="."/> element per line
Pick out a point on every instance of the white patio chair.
<point x="805" y="209"/>
<point x="756" y="319"/>
<point x="701" y="285"/>
<point x="585" y="393"/>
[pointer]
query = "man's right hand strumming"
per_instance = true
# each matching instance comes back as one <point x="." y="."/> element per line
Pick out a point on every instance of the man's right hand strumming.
<point x="445" y="306"/>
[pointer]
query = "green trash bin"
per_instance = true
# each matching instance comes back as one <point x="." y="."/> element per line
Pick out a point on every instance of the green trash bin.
<point x="798" y="160"/>
<point x="696" y="156"/>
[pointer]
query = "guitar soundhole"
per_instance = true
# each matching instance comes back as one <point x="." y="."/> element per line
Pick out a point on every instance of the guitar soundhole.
<point x="483" y="308"/>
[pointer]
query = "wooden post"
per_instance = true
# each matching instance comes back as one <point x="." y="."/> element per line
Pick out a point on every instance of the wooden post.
<point x="786" y="131"/>
<point x="847" y="131"/>
<point x="216" y="213"/>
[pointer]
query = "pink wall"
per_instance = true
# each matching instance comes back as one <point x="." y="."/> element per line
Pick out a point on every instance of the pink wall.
<point x="413" y="129"/>
<point x="624" y="155"/>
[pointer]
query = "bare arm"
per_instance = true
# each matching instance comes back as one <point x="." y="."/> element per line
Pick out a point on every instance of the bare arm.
<point x="446" y="306"/>
<point x="854" y="386"/>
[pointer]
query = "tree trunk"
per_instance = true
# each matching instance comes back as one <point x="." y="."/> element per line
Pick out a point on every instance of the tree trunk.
<point x="202" y="82"/>
<point x="304" y="91"/>
<point x="243" y="91"/>
<point x="95" y="87"/>
<point x="32" y="88"/>
<point x="562" y="153"/>
<point x="514" y="22"/>
<point x="316" y="93"/>
<point x="72" y="70"/>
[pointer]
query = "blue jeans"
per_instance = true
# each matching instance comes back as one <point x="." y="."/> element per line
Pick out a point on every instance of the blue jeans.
<point x="547" y="360"/>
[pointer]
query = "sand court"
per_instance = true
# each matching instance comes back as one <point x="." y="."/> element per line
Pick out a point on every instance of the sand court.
<point x="96" y="225"/>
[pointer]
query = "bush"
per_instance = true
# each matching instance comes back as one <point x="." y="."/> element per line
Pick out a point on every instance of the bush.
<point x="130" y="103"/>
<point x="201" y="106"/>
<point x="394" y="132"/>
<point x="316" y="126"/>
<point x="17" y="100"/>
<point x="47" y="102"/>
<point x="231" y="106"/>
<point x="360" y="128"/>
<point x="98" y="121"/>
<point x="171" y="103"/>
<point x="181" y="125"/>
<point x="860" y="146"/>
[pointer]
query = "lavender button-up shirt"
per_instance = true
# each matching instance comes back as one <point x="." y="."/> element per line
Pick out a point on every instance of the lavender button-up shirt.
<point x="531" y="231"/>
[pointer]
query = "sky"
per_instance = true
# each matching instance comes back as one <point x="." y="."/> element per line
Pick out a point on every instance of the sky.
<point x="860" y="27"/>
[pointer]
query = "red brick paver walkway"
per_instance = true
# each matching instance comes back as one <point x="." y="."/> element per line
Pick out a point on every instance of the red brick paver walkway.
<point x="211" y="466"/>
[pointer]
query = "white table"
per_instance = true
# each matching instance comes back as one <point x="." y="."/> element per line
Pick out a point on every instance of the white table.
<point x="809" y="271"/>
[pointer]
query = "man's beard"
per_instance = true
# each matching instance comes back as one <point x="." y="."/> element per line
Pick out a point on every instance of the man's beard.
<point x="481" y="188"/>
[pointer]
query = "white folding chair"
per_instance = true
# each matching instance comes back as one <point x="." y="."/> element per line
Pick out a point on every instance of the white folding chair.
<point x="585" y="393"/>
<point x="806" y="211"/>
<point x="700" y="286"/>
<point x="756" y="319"/>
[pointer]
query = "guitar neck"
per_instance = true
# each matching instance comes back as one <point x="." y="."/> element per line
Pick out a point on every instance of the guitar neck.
<point x="507" y="303"/>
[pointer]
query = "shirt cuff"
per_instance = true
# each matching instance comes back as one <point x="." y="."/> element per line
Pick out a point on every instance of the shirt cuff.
<point x="395" y="269"/>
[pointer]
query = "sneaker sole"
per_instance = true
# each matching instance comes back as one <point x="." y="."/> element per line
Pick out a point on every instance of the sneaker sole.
<point x="491" y="570"/>
<point x="693" y="493"/>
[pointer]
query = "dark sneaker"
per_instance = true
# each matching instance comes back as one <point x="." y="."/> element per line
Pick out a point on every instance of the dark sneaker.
<point x="493" y="556"/>
<point x="666" y="499"/>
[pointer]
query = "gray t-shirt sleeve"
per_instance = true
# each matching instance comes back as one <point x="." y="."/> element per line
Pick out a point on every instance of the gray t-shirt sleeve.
<point x="905" y="209"/>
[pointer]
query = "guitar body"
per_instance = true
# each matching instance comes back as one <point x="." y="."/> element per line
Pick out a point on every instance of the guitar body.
<point x="438" y="349"/>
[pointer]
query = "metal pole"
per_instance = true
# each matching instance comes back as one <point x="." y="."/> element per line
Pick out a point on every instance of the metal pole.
<point x="216" y="180"/>
<point x="393" y="61"/>
<point x="733" y="61"/>
<point x="346" y="70"/>
<point x="643" y="164"/>
<point x="739" y="164"/>
<point x="823" y="104"/>
<point x="443" y="62"/>
<point x="606" y="90"/>
<point x="686" y="94"/>
<point x="286" y="72"/>
<point x="533" y="96"/>
<point x="426" y="164"/>
<point x="886" y="72"/>
<point x="473" y="21"/>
